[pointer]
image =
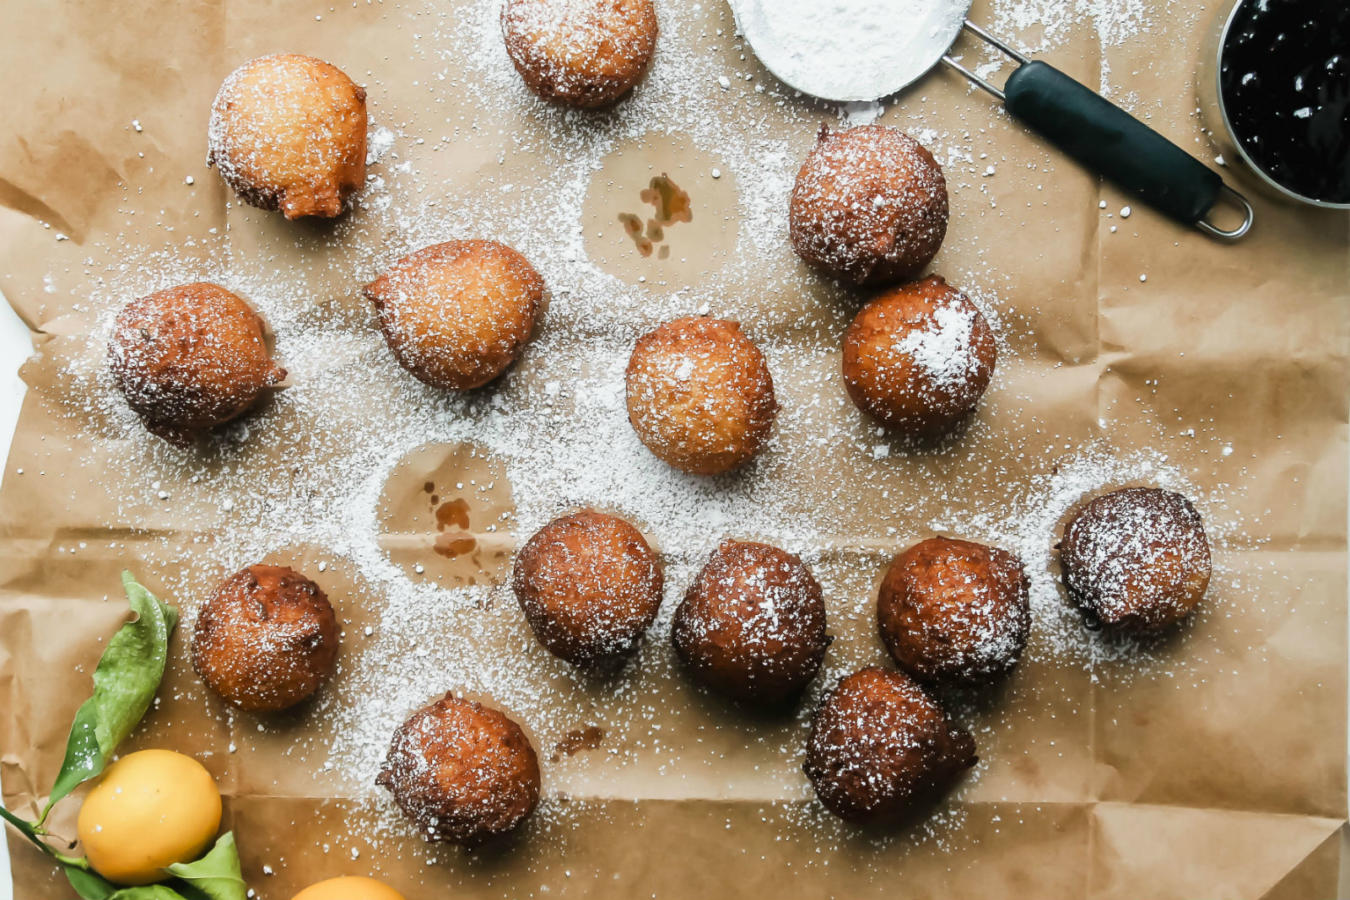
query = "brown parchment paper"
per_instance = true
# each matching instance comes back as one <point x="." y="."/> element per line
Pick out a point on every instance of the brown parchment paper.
<point x="1222" y="780"/>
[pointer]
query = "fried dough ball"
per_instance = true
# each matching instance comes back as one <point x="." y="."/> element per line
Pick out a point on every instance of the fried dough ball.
<point x="700" y="395"/>
<point x="589" y="586"/>
<point x="582" y="53"/>
<point x="869" y="206"/>
<point x="458" y="314"/>
<point x="266" y="640"/>
<point x="190" y="358"/>
<point x="752" y="626"/>
<point x="1136" y="560"/>
<point x="463" y="773"/>
<point x="880" y="748"/>
<point x="918" y="358"/>
<point x="953" y="610"/>
<point x="288" y="132"/>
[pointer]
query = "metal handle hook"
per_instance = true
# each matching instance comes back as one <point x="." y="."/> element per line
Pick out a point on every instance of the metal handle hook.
<point x="1248" y="216"/>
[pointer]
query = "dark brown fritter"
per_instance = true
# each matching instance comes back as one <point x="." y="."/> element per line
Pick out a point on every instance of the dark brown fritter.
<point x="189" y="358"/>
<point x="266" y="640"/>
<point x="752" y="625"/>
<point x="700" y="395"/>
<point x="918" y="358"/>
<point x="463" y="773"/>
<point x="953" y="610"/>
<point x="589" y="586"/>
<point x="582" y="53"/>
<point x="869" y="206"/>
<point x="880" y="748"/>
<point x="1136" y="560"/>
<point x="458" y="314"/>
<point x="288" y="132"/>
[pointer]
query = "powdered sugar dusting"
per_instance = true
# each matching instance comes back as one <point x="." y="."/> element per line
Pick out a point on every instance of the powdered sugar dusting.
<point x="943" y="346"/>
<point x="378" y="144"/>
<point x="308" y="469"/>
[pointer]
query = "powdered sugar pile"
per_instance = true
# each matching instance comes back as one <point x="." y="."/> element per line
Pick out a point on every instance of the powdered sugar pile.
<point x="943" y="347"/>
<point x="849" y="49"/>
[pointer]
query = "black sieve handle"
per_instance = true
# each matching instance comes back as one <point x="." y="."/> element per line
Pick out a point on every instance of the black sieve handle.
<point x="1111" y="142"/>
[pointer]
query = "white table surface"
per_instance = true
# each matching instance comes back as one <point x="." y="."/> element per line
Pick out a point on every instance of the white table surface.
<point x="15" y="347"/>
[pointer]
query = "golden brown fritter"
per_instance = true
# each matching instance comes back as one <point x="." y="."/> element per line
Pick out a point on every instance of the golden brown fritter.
<point x="1136" y="560"/>
<point x="953" y="610"/>
<point x="288" y="132"/>
<point x="869" y="206"/>
<point x="189" y="358"/>
<point x="266" y="640"/>
<point x="752" y="626"/>
<point x="918" y="358"/>
<point x="700" y="395"/>
<point x="463" y="773"/>
<point x="881" y="749"/>
<point x="582" y="53"/>
<point x="589" y="586"/>
<point x="458" y="314"/>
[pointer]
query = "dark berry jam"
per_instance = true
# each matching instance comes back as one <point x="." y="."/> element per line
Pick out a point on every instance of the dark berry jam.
<point x="1285" y="76"/>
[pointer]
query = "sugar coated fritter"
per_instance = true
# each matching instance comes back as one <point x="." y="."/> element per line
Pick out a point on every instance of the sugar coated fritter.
<point x="951" y="610"/>
<point x="700" y="395"/>
<point x="288" y="132"/>
<point x="457" y="314"/>
<point x="589" y="586"/>
<point x="881" y="749"/>
<point x="189" y="358"/>
<point x="1137" y="559"/>
<point x="266" y="640"/>
<point x="752" y="625"/>
<point x="918" y="358"/>
<point x="582" y="53"/>
<point x="462" y="772"/>
<point x="869" y="206"/>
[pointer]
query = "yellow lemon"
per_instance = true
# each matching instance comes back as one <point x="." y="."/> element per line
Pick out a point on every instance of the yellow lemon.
<point x="152" y="809"/>
<point x="351" y="887"/>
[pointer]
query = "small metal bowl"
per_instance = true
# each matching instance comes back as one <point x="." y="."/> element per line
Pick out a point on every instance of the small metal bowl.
<point x="1215" y="113"/>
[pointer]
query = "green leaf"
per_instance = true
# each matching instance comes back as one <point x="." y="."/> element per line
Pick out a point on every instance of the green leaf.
<point x="124" y="686"/>
<point x="88" y="885"/>
<point x="217" y="875"/>
<point x="146" y="892"/>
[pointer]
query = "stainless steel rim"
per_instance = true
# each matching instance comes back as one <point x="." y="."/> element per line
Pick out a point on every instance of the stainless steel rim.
<point x="1232" y="135"/>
